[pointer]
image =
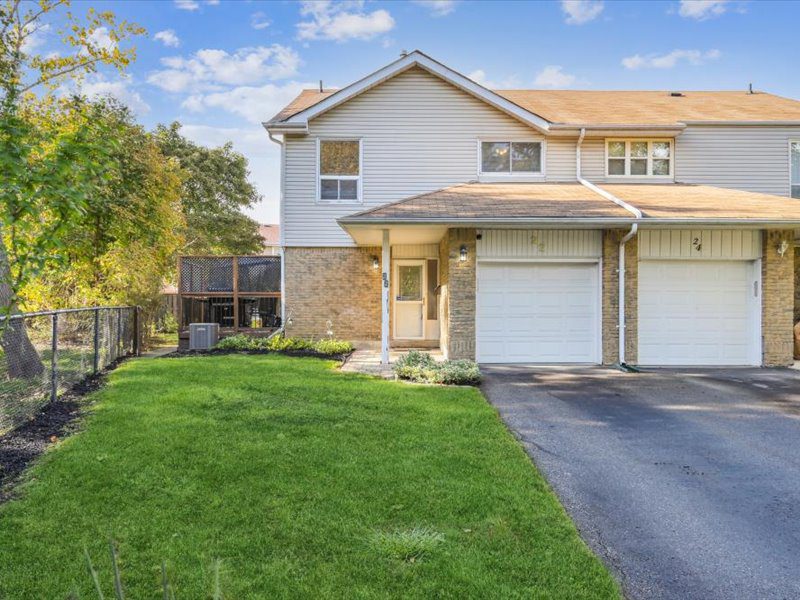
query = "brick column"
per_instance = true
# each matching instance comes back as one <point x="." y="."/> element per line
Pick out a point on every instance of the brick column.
<point x="777" y="303"/>
<point x="796" y="285"/>
<point x="461" y="294"/>
<point x="610" y="311"/>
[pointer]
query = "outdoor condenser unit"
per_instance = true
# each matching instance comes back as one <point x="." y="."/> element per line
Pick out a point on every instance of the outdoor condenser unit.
<point x="203" y="336"/>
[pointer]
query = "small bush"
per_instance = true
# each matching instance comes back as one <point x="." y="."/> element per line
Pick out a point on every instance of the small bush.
<point x="333" y="347"/>
<point x="168" y="324"/>
<point x="326" y="347"/>
<point x="409" y="545"/>
<point x="237" y="342"/>
<point x="421" y="367"/>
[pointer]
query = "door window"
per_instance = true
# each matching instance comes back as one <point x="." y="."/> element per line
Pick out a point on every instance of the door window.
<point x="409" y="283"/>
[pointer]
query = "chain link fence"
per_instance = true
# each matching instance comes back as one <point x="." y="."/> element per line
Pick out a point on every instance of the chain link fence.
<point x="44" y="354"/>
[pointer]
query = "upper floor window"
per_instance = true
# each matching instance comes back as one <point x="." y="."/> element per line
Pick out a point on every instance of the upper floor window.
<point x="340" y="170"/>
<point x="521" y="158"/>
<point x="795" y="181"/>
<point x="639" y="158"/>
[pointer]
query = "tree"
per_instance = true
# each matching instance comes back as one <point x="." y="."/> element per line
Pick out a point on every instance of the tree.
<point x="46" y="180"/>
<point x="215" y="190"/>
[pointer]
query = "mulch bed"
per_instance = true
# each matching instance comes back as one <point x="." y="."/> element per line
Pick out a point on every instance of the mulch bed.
<point x="54" y="421"/>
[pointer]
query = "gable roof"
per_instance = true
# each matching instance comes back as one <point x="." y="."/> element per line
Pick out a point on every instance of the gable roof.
<point x="570" y="108"/>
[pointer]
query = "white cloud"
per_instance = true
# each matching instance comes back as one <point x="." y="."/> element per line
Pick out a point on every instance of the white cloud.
<point x="121" y="89"/>
<point x="187" y="4"/>
<point x="341" y="21"/>
<point x="168" y="38"/>
<point x="479" y="76"/>
<point x="254" y="103"/>
<point x="101" y="38"/>
<point x="668" y="61"/>
<point x="258" y="20"/>
<point x="553" y="76"/>
<point x="438" y="8"/>
<point x="702" y="9"/>
<point x="581" y="11"/>
<point x="35" y="37"/>
<point x="209" y="68"/>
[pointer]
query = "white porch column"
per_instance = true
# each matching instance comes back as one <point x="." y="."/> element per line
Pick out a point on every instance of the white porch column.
<point x="385" y="268"/>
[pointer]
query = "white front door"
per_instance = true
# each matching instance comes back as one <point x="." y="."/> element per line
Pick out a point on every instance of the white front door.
<point x="409" y="299"/>
<point x="538" y="312"/>
<point x="698" y="312"/>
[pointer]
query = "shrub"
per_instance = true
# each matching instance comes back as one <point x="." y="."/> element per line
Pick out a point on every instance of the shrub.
<point x="326" y="347"/>
<point x="237" y="342"/>
<point x="168" y="324"/>
<point x="333" y="347"/>
<point x="421" y="367"/>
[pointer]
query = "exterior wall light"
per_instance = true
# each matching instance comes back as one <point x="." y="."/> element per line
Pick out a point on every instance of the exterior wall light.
<point x="462" y="256"/>
<point x="376" y="264"/>
<point x="783" y="246"/>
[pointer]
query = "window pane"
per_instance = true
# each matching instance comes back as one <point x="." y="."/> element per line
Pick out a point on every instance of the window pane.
<point x="660" y="166"/>
<point x="433" y="283"/>
<point x="638" y="166"/>
<point x="338" y="157"/>
<point x="526" y="157"/>
<point x="495" y="157"/>
<point x="348" y="189"/>
<point x="616" y="166"/>
<point x="639" y="149"/>
<point x="410" y="282"/>
<point x="660" y="149"/>
<point x="796" y="191"/>
<point x="795" y="167"/>
<point x="616" y="149"/>
<point x="329" y="189"/>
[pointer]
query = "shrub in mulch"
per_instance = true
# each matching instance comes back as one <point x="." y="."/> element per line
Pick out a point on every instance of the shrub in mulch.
<point x="422" y="368"/>
<point x="244" y="344"/>
<point x="54" y="421"/>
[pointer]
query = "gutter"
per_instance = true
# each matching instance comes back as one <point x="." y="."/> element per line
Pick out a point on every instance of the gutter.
<point x="629" y="236"/>
<point x="282" y="239"/>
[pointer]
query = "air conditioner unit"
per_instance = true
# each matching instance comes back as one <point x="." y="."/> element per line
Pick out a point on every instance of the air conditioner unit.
<point x="203" y="336"/>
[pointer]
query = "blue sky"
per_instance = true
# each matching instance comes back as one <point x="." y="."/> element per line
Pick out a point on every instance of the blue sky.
<point x="220" y="67"/>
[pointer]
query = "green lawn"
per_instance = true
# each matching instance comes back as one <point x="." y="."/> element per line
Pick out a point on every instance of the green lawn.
<point x="303" y="481"/>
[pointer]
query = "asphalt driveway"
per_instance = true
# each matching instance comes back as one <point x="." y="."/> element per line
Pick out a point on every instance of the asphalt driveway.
<point x="687" y="482"/>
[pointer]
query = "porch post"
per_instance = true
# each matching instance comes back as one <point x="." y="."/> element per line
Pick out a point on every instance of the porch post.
<point x="385" y="268"/>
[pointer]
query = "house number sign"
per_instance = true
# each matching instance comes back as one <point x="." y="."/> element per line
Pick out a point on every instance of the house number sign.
<point x="386" y="280"/>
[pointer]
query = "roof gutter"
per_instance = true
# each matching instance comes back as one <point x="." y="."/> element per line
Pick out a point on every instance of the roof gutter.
<point x="284" y="127"/>
<point x="621" y="268"/>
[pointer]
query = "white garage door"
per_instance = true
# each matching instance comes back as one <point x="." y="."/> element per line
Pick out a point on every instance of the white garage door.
<point x="697" y="313"/>
<point x="537" y="313"/>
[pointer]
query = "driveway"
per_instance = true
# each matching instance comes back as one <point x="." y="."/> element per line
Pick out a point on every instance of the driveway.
<point x="686" y="482"/>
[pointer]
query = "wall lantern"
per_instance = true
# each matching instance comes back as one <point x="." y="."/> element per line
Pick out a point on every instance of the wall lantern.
<point x="782" y="247"/>
<point x="375" y="263"/>
<point x="462" y="256"/>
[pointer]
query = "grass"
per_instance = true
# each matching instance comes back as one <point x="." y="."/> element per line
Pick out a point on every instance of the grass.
<point x="302" y="481"/>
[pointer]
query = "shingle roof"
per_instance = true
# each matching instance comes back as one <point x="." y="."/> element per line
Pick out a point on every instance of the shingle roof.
<point x="577" y="107"/>
<point x="498" y="201"/>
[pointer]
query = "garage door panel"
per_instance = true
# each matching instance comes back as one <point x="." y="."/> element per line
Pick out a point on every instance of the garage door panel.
<point x="537" y="312"/>
<point x="696" y="313"/>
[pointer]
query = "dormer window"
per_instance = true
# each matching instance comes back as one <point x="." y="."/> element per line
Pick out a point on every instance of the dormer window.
<point x="339" y="171"/>
<point x="639" y="158"/>
<point x="501" y="158"/>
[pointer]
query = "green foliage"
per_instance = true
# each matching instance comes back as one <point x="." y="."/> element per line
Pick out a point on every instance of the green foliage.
<point x="168" y="324"/>
<point x="285" y="468"/>
<point x="215" y="190"/>
<point x="408" y="545"/>
<point x="421" y="367"/>
<point x="279" y="343"/>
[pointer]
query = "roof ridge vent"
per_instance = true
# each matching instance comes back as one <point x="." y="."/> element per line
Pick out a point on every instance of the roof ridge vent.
<point x="677" y="94"/>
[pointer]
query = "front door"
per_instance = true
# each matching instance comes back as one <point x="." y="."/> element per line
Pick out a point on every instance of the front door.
<point x="409" y="299"/>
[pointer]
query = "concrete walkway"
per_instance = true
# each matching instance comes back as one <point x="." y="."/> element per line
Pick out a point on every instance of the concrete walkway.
<point x="686" y="483"/>
<point x="368" y="361"/>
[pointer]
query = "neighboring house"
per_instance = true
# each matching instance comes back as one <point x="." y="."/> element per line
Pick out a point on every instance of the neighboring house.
<point x="271" y="234"/>
<point x="419" y="208"/>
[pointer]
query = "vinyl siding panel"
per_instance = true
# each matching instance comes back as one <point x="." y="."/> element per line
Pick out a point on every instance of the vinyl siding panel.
<point x="419" y="134"/>
<point x="539" y="243"/>
<point x="700" y="244"/>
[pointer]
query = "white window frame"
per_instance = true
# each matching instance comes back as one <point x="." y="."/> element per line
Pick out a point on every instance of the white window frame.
<point x="358" y="178"/>
<point x="627" y="158"/>
<point x="791" y="182"/>
<point x="521" y="176"/>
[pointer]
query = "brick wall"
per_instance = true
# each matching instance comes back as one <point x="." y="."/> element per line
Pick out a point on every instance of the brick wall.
<point x="460" y="338"/>
<point x="333" y="284"/>
<point x="444" y="296"/>
<point x="610" y="309"/>
<point x="777" y="284"/>
<point x="797" y="285"/>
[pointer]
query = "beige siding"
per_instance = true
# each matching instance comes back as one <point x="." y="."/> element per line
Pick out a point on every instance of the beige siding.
<point x="539" y="243"/>
<point x="700" y="244"/>
<point x="419" y="134"/>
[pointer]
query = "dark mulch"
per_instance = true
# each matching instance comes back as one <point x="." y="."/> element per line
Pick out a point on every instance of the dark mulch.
<point x="54" y="421"/>
<point x="220" y="352"/>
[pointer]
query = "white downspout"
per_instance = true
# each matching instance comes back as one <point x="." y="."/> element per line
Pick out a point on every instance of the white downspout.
<point x="634" y="228"/>
<point x="282" y="233"/>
